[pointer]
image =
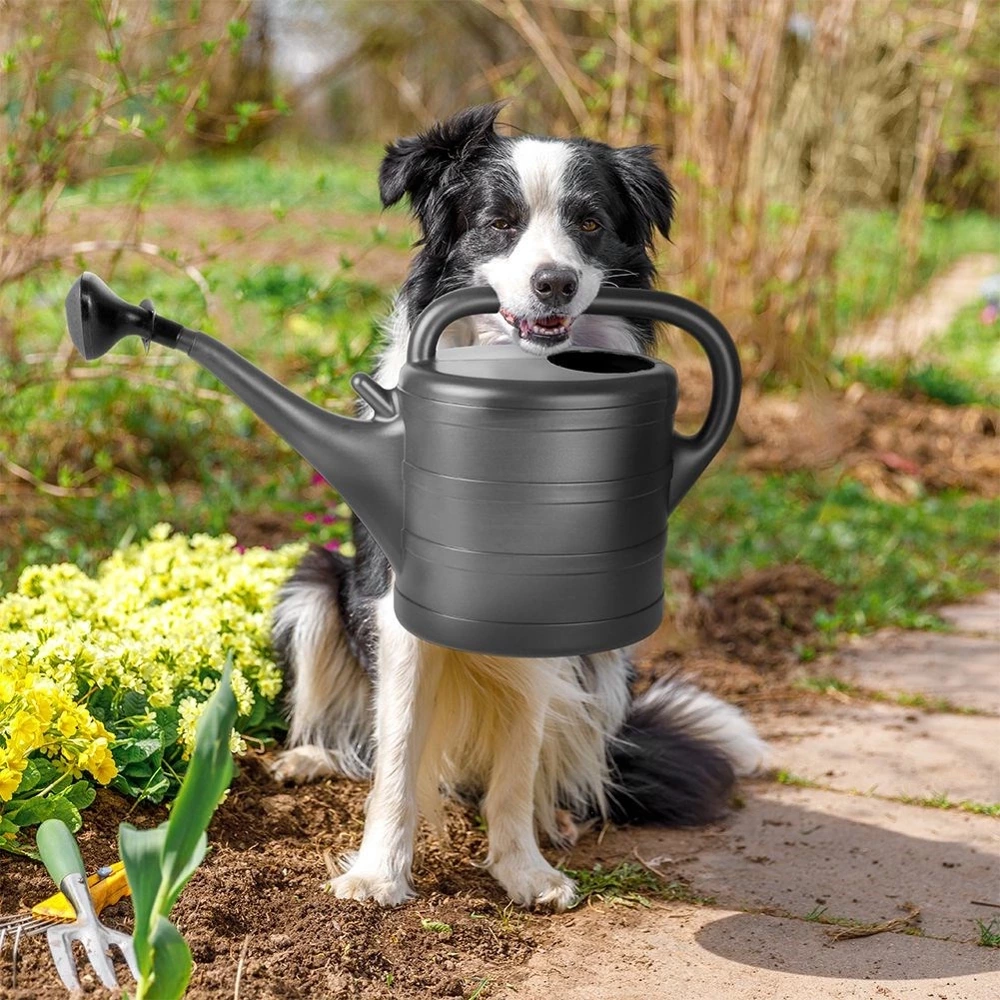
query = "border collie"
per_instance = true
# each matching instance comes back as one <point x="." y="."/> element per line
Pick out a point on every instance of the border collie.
<point x="539" y="745"/>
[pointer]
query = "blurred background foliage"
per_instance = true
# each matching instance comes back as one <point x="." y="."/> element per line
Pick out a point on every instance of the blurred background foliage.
<point x="220" y="157"/>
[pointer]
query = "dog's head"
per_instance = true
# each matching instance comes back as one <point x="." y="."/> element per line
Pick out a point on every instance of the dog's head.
<point x="545" y="222"/>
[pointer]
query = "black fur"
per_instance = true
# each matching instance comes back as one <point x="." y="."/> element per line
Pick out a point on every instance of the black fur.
<point x="663" y="775"/>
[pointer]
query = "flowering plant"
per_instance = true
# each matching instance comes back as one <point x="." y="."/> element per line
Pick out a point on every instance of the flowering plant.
<point x="103" y="679"/>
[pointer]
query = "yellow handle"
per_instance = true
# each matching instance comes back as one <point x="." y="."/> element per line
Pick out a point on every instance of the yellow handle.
<point x="105" y="890"/>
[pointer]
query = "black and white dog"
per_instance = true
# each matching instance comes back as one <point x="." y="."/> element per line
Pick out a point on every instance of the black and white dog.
<point x="540" y="744"/>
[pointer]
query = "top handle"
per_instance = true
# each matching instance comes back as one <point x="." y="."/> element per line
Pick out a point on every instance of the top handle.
<point x="691" y="454"/>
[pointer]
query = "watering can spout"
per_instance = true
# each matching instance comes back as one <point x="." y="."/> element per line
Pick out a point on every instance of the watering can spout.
<point x="361" y="458"/>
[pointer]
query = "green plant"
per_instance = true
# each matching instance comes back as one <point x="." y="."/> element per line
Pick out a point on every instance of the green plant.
<point x="159" y="862"/>
<point x="84" y="85"/>
<point x="105" y="677"/>
<point x="989" y="934"/>
<point x="627" y="883"/>
<point x="891" y="561"/>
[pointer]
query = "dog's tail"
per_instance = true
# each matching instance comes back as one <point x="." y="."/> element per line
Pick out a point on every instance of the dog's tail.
<point x="677" y="756"/>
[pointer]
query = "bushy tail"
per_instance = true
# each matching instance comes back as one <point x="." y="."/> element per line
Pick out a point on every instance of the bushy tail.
<point x="677" y="757"/>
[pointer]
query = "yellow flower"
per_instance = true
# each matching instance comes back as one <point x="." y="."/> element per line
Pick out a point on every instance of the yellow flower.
<point x="9" y="780"/>
<point x="67" y="724"/>
<point x="97" y="759"/>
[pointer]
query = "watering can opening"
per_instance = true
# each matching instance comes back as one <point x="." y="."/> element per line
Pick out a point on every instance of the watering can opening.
<point x="602" y="362"/>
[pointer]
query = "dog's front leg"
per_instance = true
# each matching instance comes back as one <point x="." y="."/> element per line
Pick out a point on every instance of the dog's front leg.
<point x="514" y="858"/>
<point x="408" y="676"/>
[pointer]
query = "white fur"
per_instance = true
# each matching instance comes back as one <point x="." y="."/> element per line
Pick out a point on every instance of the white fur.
<point x="541" y="166"/>
<point x="706" y="717"/>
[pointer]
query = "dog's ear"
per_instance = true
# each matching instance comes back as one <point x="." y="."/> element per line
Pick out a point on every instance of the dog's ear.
<point x="415" y="166"/>
<point x="650" y="194"/>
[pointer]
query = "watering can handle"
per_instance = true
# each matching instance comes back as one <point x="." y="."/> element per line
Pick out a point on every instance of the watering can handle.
<point x="691" y="453"/>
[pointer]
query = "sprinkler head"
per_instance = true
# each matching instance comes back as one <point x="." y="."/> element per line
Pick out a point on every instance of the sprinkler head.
<point x="98" y="319"/>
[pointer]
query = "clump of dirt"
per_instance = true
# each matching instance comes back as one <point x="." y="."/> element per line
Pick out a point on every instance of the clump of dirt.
<point x="256" y="527"/>
<point x="763" y="617"/>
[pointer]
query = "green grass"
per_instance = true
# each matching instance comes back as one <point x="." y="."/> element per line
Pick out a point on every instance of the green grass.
<point x="959" y="368"/>
<point x="989" y="934"/>
<point x="626" y="883"/>
<point x="869" y="260"/>
<point x="893" y="562"/>
<point x="941" y="801"/>
<point x="905" y="699"/>
<point x="343" y="178"/>
<point x="787" y="778"/>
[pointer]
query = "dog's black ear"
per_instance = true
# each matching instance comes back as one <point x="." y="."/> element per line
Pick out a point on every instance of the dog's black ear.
<point x="415" y="166"/>
<point x="650" y="193"/>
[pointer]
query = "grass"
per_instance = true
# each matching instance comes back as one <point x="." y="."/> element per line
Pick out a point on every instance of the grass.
<point x="937" y="801"/>
<point x="961" y="367"/>
<point x="941" y="801"/>
<point x="836" y="686"/>
<point x="989" y="934"/>
<point x="343" y="178"/>
<point x="626" y="883"/>
<point x="783" y="777"/>
<point x="893" y="562"/>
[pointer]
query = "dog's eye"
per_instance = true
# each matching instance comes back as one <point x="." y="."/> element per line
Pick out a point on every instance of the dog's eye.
<point x="501" y="224"/>
<point x="590" y="225"/>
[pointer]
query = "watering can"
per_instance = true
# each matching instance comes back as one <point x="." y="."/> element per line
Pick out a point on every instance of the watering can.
<point x="521" y="500"/>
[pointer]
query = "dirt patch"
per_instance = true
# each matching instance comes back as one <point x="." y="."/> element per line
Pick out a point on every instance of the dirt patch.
<point x="895" y="446"/>
<point x="265" y="528"/>
<point x="764" y="617"/>
<point x="319" y="239"/>
<point x="260" y="893"/>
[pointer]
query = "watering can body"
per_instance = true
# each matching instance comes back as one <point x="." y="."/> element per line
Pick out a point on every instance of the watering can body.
<point x="522" y="501"/>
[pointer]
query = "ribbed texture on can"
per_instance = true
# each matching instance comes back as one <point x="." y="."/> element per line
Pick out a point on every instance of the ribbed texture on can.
<point x="535" y="529"/>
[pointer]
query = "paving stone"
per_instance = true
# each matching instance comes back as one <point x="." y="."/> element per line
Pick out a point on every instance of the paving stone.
<point x="891" y="751"/>
<point x="800" y="849"/>
<point x="796" y="850"/>
<point x="980" y="616"/>
<point x="963" y="669"/>
<point x="680" y="953"/>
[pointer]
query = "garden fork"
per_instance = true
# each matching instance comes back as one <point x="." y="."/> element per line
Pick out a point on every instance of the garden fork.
<point x="62" y="858"/>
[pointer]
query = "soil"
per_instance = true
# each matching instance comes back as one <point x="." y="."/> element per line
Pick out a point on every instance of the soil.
<point x="257" y="903"/>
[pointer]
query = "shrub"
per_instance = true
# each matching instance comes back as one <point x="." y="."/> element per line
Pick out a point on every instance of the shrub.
<point x="106" y="676"/>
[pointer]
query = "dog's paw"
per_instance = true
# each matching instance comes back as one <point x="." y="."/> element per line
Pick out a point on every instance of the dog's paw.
<point x="537" y="886"/>
<point x="301" y="765"/>
<point x="385" y="889"/>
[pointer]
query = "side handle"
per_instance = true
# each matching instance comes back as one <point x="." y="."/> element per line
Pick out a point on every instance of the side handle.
<point x="693" y="453"/>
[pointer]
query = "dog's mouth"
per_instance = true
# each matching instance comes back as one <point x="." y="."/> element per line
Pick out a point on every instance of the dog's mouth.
<point x="543" y="331"/>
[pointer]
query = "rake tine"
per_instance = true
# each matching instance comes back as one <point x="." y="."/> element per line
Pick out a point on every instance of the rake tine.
<point x="62" y="955"/>
<point x="95" y="946"/>
<point x="127" y="948"/>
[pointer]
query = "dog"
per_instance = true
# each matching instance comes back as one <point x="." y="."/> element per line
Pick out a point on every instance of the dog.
<point x="539" y="745"/>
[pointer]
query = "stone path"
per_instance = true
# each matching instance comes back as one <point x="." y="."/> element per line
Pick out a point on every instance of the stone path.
<point x="903" y="331"/>
<point x="881" y="809"/>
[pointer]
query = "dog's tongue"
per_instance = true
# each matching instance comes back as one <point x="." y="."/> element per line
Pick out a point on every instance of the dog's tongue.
<point x="550" y="322"/>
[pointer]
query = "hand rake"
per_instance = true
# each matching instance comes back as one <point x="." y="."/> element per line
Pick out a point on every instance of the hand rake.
<point x="62" y="858"/>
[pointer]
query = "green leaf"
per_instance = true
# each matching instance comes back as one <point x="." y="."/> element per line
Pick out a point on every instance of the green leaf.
<point x="80" y="793"/>
<point x="141" y="850"/>
<point x="36" y="810"/>
<point x="172" y="964"/>
<point x="128" y="752"/>
<point x="207" y="778"/>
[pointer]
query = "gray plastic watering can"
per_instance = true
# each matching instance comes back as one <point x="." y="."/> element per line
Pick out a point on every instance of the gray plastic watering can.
<point x="522" y="501"/>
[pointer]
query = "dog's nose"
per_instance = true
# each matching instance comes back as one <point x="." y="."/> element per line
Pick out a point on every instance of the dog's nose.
<point x="555" y="286"/>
